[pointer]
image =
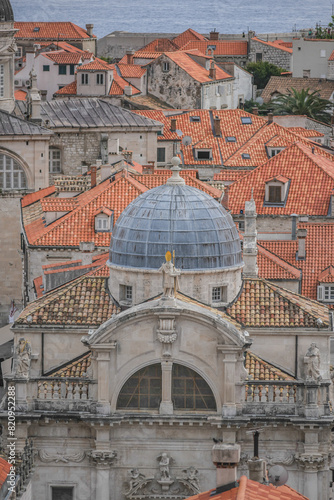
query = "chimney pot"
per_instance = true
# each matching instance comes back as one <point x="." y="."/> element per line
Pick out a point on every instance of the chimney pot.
<point x="89" y="29"/>
<point x="93" y="176"/>
<point x="173" y="125"/>
<point x="216" y="123"/>
<point x="301" y="235"/>
<point x="226" y="458"/>
<point x="212" y="70"/>
<point x="214" y="35"/>
<point x="294" y="218"/>
<point x="255" y="110"/>
<point x="270" y="117"/>
<point x="130" y="56"/>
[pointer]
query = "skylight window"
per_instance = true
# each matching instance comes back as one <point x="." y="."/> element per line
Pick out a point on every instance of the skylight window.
<point x="36" y="29"/>
<point x="245" y="156"/>
<point x="195" y="119"/>
<point x="230" y="138"/>
<point x="246" y="120"/>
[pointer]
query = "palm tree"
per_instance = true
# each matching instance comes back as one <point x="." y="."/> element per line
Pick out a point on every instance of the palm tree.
<point x="303" y="103"/>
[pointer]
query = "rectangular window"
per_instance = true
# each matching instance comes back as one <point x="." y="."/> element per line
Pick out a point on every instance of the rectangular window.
<point x="46" y="67"/>
<point x="62" y="69"/>
<point x="218" y="294"/>
<point x="195" y="118"/>
<point x="161" y="155"/>
<point x="306" y="73"/>
<point x="84" y="78"/>
<point x="230" y="138"/>
<point x="246" y="120"/>
<point x="125" y="293"/>
<point x="62" y="493"/>
<point x="99" y="78"/>
<point x="275" y="194"/>
<point x="2" y="80"/>
<point x="203" y="155"/>
<point x="245" y="156"/>
<point x="322" y="53"/>
<point x="72" y="69"/>
<point x="258" y="56"/>
<point x="165" y="66"/>
<point x="328" y="292"/>
<point x="18" y="52"/>
<point x="54" y="161"/>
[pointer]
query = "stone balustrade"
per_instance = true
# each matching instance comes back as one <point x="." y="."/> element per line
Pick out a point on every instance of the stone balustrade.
<point x="63" y="388"/>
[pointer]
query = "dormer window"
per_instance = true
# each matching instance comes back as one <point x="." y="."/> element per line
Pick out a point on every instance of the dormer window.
<point x="195" y="118"/>
<point x="230" y="138"/>
<point x="245" y="156"/>
<point x="274" y="151"/>
<point x="276" y="191"/>
<point x="325" y="291"/>
<point x="104" y="220"/>
<point x="203" y="154"/>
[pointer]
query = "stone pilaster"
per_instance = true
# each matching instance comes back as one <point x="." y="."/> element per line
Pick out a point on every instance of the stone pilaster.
<point x="250" y="240"/>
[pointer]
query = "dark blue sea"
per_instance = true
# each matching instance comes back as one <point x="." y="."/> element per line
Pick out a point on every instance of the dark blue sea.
<point x="174" y="16"/>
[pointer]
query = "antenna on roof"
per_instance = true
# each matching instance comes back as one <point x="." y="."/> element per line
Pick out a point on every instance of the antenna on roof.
<point x="187" y="140"/>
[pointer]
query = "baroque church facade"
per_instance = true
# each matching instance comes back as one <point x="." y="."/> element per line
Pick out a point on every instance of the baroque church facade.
<point x="124" y="376"/>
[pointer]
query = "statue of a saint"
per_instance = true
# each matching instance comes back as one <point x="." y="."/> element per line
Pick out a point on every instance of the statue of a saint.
<point x="164" y="466"/>
<point x="170" y="277"/>
<point x="312" y="362"/>
<point x="23" y="358"/>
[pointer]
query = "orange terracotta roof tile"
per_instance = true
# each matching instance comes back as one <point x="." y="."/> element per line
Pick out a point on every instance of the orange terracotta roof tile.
<point x="148" y="56"/>
<point x="272" y="267"/>
<point x="283" y="84"/>
<point x="304" y="132"/>
<point x="38" y="195"/>
<point x="319" y="245"/>
<point x="160" y="45"/>
<point x="230" y="175"/>
<point x="58" y="204"/>
<point x="50" y="30"/>
<point x="327" y="275"/>
<point x="76" y="368"/>
<point x="70" y="89"/>
<point x="96" y="65"/>
<point x="305" y="171"/>
<point x="258" y="369"/>
<point x="131" y="70"/>
<point x="38" y="285"/>
<point x="118" y="85"/>
<point x="277" y="44"/>
<point x="82" y="302"/>
<point x="264" y="305"/>
<point x="223" y="47"/>
<point x="20" y="95"/>
<point x="252" y="490"/>
<point x="331" y="57"/>
<point x="194" y="69"/>
<point x="188" y="35"/>
<point x="64" y="57"/>
<point x="4" y="470"/>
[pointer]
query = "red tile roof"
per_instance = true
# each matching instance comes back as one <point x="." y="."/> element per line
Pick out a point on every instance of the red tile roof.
<point x="304" y="132"/>
<point x="264" y="305"/>
<point x="50" y="30"/>
<point x="319" y="245"/>
<point x="141" y="55"/>
<point x="131" y="70"/>
<point x="183" y="38"/>
<point x="258" y="369"/>
<point x="230" y="175"/>
<point x="28" y="199"/>
<point x="38" y="282"/>
<point x="194" y="69"/>
<point x="272" y="267"/>
<point x="118" y="85"/>
<point x="327" y="275"/>
<point x="223" y="48"/>
<point x="96" y="65"/>
<point x="70" y="89"/>
<point x="160" y="45"/>
<point x="20" y="95"/>
<point x="78" y="224"/>
<point x="64" y="57"/>
<point x="252" y="490"/>
<point x="277" y="44"/>
<point x="305" y="171"/>
<point x="4" y="470"/>
<point x="331" y="57"/>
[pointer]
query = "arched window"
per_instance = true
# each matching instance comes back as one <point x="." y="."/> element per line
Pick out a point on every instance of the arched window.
<point x="142" y="391"/>
<point x="12" y="175"/>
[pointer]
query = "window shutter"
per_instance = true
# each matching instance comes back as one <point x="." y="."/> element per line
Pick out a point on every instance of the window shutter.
<point x="320" y="295"/>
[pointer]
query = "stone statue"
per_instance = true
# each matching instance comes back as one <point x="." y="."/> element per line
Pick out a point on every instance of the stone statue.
<point x="164" y="466"/>
<point x="23" y="358"/>
<point x="312" y="362"/>
<point x="135" y="478"/>
<point x="170" y="278"/>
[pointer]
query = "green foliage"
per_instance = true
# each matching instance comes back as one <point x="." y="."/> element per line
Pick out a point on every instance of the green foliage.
<point x="263" y="108"/>
<point x="262" y="71"/>
<point x="303" y="103"/>
<point x="325" y="33"/>
<point x="109" y="60"/>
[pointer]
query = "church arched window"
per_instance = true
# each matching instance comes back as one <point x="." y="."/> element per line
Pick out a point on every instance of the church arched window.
<point x="12" y="175"/>
<point x="190" y="392"/>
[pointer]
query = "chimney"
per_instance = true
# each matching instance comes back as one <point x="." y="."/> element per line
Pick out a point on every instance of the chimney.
<point x="216" y="125"/>
<point x="226" y="458"/>
<point x="129" y="56"/>
<point x="34" y="99"/>
<point x="214" y="35"/>
<point x="270" y="117"/>
<point x="93" y="176"/>
<point x="89" y="29"/>
<point x="250" y="240"/>
<point x="294" y="218"/>
<point x="212" y="70"/>
<point x="257" y="470"/>
<point x="128" y="90"/>
<point x="173" y="125"/>
<point x="87" y="248"/>
<point x="301" y="236"/>
<point x="225" y="196"/>
<point x="255" y="110"/>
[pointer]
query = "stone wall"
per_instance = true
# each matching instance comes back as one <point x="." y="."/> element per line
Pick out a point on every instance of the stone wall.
<point x="270" y="54"/>
<point x="84" y="147"/>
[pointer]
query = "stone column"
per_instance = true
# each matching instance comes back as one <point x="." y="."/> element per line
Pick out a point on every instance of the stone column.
<point x="229" y="365"/>
<point x="103" y="458"/>
<point x="166" y="405"/>
<point x="103" y="363"/>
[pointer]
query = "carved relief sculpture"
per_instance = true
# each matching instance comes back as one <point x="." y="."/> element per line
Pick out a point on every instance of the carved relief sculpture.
<point x="23" y="358"/>
<point x="312" y="363"/>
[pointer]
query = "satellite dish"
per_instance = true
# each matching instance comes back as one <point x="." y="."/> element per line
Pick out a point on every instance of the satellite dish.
<point x="186" y="141"/>
<point x="259" y="100"/>
<point x="278" y="475"/>
<point x="179" y="132"/>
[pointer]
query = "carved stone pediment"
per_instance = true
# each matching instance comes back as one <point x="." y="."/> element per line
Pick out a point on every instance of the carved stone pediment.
<point x="310" y="462"/>
<point x="163" y="484"/>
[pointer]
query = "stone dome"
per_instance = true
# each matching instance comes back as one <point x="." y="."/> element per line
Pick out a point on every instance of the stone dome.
<point x="177" y="217"/>
<point x="6" y="11"/>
